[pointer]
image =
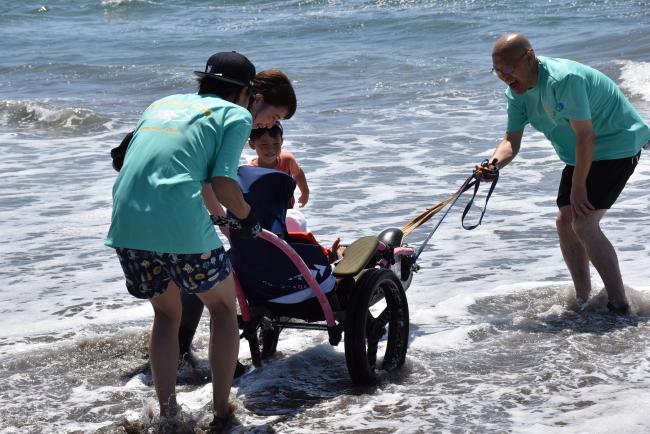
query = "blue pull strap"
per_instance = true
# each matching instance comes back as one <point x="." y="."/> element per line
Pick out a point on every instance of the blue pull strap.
<point x="480" y="176"/>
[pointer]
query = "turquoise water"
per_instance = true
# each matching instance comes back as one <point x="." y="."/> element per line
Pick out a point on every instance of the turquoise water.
<point x="396" y="104"/>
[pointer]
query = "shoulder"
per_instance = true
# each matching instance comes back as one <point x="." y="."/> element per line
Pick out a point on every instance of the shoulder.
<point x="287" y="156"/>
<point x="230" y="111"/>
<point x="166" y="101"/>
<point x="288" y="159"/>
<point x="287" y="163"/>
<point x="235" y="113"/>
<point x="565" y="72"/>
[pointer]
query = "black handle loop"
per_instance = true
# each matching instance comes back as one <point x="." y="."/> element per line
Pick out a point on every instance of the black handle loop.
<point x="479" y="177"/>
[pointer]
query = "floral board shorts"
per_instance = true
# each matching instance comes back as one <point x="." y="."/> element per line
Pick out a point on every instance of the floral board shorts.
<point x="148" y="273"/>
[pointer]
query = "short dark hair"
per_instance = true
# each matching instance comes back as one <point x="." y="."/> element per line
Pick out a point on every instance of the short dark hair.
<point x="274" y="131"/>
<point x="223" y="89"/>
<point x="277" y="90"/>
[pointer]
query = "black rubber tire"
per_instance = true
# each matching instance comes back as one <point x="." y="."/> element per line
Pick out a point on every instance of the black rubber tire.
<point x="269" y="341"/>
<point x="403" y="269"/>
<point x="361" y="326"/>
<point x="262" y="340"/>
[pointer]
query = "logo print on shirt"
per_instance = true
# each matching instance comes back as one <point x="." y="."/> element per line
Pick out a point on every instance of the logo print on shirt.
<point x="559" y="107"/>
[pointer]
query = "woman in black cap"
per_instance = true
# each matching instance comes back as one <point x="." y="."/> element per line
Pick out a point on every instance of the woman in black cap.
<point x="163" y="236"/>
<point x="271" y="89"/>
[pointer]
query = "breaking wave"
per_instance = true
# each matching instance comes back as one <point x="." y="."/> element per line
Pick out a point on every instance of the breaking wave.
<point x="35" y="116"/>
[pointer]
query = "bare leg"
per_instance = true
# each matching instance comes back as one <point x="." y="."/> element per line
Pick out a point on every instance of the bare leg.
<point x="163" y="347"/>
<point x="224" y="341"/>
<point x="574" y="253"/>
<point x="602" y="255"/>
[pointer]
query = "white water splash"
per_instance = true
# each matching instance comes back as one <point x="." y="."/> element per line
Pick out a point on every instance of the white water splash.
<point x="635" y="78"/>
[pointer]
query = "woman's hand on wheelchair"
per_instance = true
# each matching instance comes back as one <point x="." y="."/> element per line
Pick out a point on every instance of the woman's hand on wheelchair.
<point x="248" y="227"/>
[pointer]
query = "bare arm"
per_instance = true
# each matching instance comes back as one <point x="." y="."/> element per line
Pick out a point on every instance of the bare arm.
<point x="509" y="147"/>
<point x="228" y="193"/>
<point x="504" y="153"/>
<point x="585" y="144"/>
<point x="211" y="201"/>
<point x="214" y="207"/>
<point x="301" y="182"/>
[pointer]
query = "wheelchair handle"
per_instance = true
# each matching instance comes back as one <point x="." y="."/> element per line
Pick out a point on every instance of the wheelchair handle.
<point x="304" y="270"/>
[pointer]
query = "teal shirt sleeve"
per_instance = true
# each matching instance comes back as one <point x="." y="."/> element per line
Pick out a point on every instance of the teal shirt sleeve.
<point x="237" y="129"/>
<point x="517" y="116"/>
<point x="572" y="102"/>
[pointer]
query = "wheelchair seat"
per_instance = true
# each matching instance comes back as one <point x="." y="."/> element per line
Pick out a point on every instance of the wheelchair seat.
<point x="266" y="274"/>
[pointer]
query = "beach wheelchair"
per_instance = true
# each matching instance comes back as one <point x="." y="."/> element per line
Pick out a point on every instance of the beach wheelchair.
<point x="285" y="280"/>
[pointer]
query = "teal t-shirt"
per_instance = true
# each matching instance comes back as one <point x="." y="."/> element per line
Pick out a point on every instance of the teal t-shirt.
<point x="180" y="143"/>
<point x="568" y="90"/>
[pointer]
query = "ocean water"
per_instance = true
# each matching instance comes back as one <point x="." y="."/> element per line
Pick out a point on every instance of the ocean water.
<point x="396" y="104"/>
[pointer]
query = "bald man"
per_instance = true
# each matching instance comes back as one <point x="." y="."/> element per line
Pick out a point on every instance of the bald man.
<point x="595" y="131"/>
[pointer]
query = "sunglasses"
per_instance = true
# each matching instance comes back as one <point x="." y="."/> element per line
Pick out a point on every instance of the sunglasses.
<point x="508" y="69"/>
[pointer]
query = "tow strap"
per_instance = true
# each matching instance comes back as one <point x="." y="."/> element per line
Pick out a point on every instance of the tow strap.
<point x="473" y="180"/>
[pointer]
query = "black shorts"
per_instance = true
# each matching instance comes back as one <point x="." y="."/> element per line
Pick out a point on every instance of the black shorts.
<point x="605" y="181"/>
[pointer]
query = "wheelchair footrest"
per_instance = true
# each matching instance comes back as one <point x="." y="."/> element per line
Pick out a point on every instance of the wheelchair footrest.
<point x="356" y="257"/>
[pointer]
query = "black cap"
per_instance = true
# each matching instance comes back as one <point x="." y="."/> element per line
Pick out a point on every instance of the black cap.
<point x="231" y="67"/>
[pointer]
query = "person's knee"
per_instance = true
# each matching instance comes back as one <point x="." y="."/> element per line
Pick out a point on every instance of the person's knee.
<point x="564" y="224"/>
<point x="584" y="228"/>
<point x="169" y="312"/>
<point x="221" y="300"/>
<point x="167" y="306"/>
<point x="168" y="315"/>
<point x="220" y="308"/>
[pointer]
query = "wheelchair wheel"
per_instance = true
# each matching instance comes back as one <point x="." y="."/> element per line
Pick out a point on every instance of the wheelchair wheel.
<point x="377" y="323"/>
<point x="262" y="340"/>
<point x="402" y="268"/>
<point x="268" y="338"/>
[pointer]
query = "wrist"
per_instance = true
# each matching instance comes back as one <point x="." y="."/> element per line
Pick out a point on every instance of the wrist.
<point x="578" y="180"/>
<point x="250" y="217"/>
<point x="243" y="213"/>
